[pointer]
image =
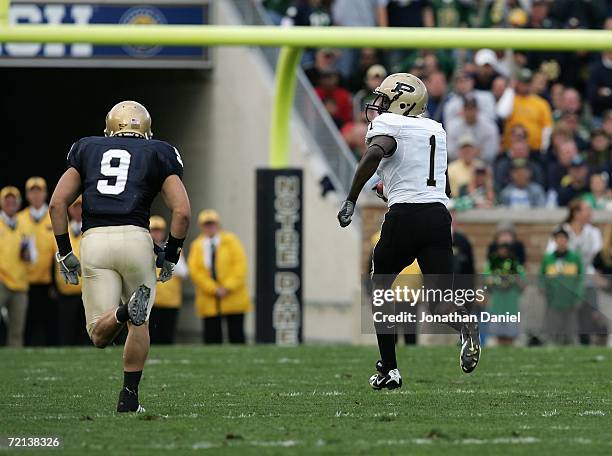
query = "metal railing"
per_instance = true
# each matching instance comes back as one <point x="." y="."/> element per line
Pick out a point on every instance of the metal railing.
<point x="323" y="133"/>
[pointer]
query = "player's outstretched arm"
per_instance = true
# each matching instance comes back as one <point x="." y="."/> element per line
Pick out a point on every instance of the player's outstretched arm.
<point x="176" y="199"/>
<point x="66" y="191"/>
<point x="379" y="148"/>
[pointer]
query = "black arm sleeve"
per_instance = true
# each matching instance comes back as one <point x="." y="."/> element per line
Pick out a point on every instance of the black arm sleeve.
<point x="387" y="144"/>
<point x="379" y="148"/>
<point x="448" y="189"/>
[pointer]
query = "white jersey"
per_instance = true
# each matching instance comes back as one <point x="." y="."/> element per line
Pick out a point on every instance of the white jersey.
<point x="416" y="172"/>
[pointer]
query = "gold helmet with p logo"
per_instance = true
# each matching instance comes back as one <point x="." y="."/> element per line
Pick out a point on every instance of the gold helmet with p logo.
<point x="128" y="118"/>
<point x="399" y="93"/>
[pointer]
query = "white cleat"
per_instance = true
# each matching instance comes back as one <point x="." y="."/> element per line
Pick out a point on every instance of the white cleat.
<point x="390" y="380"/>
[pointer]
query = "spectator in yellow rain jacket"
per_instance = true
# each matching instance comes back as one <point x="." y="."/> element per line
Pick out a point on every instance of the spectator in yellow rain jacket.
<point x="17" y="249"/>
<point x="70" y="311"/>
<point x="218" y="269"/>
<point x="168" y="295"/>
<point x="41" y="322"/>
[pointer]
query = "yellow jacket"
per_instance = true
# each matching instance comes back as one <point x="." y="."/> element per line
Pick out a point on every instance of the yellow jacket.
<point x="63" y="287"/>
<point x="534" y="113"/>
<point x="13" y="270"/>
<point x="169" y="295"/>
<point x="39" y="272"/>
<point x="231" y="267"/>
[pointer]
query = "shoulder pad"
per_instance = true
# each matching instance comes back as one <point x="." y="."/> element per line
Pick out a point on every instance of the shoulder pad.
<point x="382" y="126"/>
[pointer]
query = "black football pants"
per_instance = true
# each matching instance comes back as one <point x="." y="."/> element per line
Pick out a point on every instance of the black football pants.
<point x="420" y="231"/>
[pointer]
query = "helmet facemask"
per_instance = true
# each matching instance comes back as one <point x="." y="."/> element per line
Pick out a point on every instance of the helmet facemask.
<point x="381" y="104"/>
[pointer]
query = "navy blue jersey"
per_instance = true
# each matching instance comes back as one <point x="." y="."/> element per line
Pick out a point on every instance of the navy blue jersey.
<point x="120" y="177"/>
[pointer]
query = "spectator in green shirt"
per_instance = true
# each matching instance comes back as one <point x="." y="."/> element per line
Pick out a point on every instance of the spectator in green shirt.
<point x="562" y="280"/>
<point x="599" y="196"/>
<point x="503" y="276"/>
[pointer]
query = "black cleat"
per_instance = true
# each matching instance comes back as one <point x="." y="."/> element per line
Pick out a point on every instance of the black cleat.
<point x="470" y="347"/>
<point x="128" y="401"/>
<point x="138" y="305"/>
<point x="390" y="379"/>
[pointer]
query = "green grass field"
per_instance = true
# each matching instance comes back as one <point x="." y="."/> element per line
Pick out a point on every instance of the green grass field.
<point x="315" y="399"/>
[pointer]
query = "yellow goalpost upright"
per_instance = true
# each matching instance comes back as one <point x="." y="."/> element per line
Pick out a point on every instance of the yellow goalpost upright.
<point x="4" y="12"/>
<point x="292" y="40"/>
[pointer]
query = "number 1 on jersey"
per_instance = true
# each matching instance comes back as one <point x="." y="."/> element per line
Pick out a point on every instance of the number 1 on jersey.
<point x="120" y="172"/>
<point x="431" y="182"/>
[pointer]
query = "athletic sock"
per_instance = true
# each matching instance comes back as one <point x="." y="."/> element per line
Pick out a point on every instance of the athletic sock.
<point x="386" y="346"/>
<point x="131" y="380"/>
<point x="121" y="314"/>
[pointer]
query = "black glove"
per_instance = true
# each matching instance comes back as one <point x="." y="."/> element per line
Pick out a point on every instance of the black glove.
<point x="346" y="213"/>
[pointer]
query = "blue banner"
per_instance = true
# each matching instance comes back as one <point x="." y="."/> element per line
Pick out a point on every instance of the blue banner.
<point x="55" y="54"/>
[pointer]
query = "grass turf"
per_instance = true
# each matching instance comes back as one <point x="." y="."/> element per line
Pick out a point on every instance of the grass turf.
<point x="313" y="399"/>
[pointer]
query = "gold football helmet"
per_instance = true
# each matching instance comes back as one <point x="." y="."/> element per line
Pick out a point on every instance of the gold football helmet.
<point x="128" y="118"/>
<point x="399" y="93"/>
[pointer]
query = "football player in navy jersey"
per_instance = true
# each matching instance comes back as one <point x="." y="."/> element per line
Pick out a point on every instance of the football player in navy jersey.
<point x="119" y="175"/>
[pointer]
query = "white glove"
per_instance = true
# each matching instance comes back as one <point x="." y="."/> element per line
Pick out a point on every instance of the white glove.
<point x="70" y="267"/>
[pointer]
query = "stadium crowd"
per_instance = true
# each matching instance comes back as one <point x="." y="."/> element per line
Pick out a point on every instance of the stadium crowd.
<point x="525" y="128"/>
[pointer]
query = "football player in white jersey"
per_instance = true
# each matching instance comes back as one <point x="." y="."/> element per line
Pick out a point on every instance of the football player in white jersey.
<point x="408" y="152"/>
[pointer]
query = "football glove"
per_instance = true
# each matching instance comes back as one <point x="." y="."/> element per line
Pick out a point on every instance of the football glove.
<point x="165" y="272"/>
<point x="166" y="268"/>
<point x="70" y="267"/>
<point x="346" y="213"/>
